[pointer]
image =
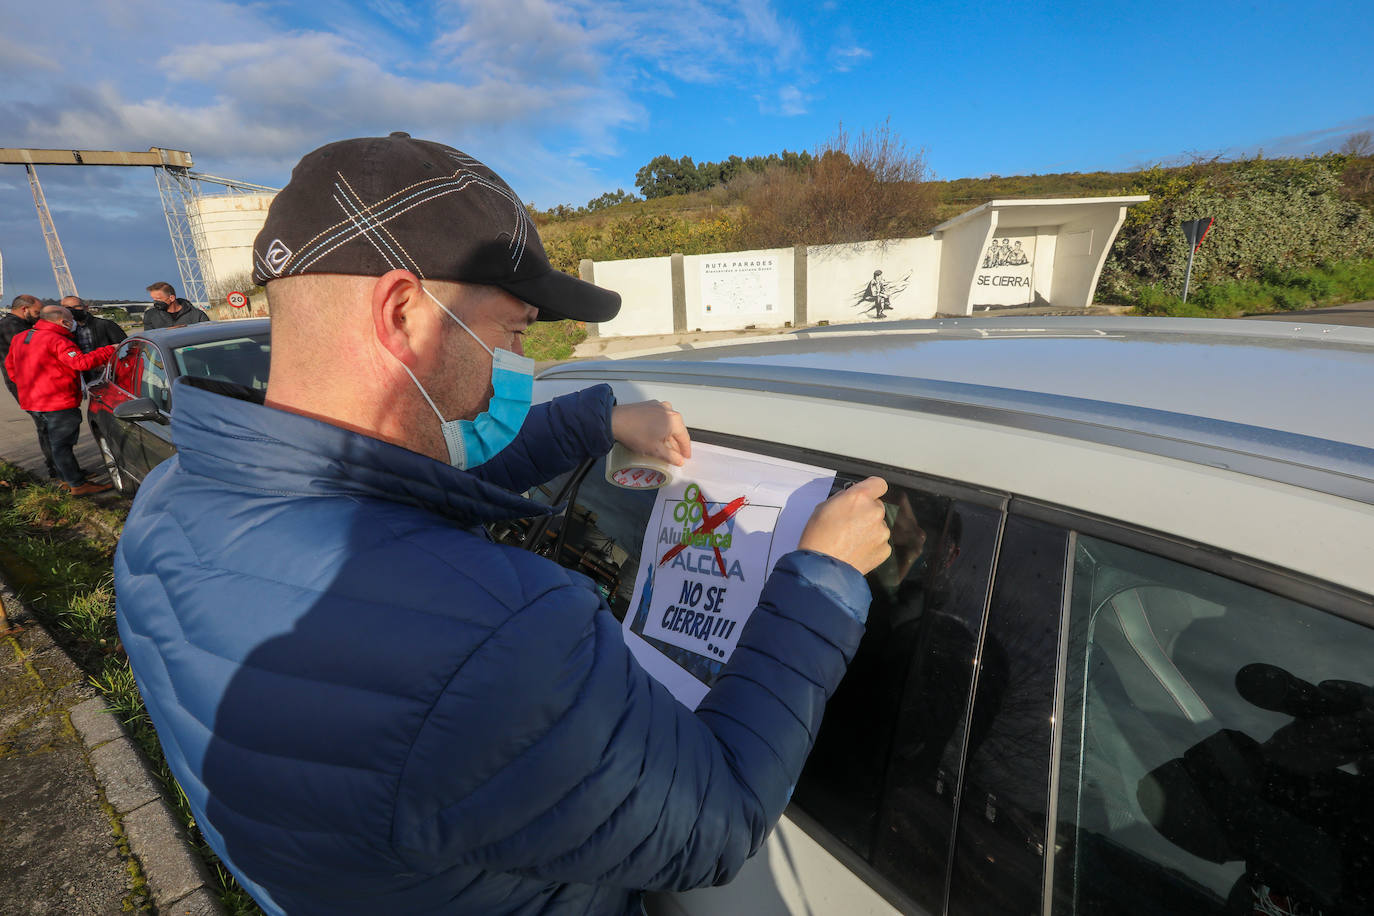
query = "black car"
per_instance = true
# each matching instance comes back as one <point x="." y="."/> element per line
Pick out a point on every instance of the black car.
<point x="130" y="407"/>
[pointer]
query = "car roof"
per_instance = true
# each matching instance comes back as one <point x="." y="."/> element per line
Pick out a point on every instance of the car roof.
<point x="1286" y="393"/>
<point x="207" y="331"/>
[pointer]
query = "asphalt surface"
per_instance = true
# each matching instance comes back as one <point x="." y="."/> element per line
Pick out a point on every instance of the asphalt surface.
<point x="19" y="443"/>
<point x="1357" y="314"/>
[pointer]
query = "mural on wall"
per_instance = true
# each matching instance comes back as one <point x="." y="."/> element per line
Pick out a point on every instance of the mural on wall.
<point x="878" y="293"/>
<point x="1002" y="254"/>
<point x="1004" y="276"/>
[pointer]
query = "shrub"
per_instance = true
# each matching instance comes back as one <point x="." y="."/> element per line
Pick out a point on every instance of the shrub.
<point x="1272" y="217"/>
<point x="1277" y="290"/>
<point x="548" y="340"/>
<point x="870" y="187"/>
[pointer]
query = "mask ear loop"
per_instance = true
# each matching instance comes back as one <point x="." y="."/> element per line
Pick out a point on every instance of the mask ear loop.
<point x="444" y="308"/>
<point x="423" y="393"/>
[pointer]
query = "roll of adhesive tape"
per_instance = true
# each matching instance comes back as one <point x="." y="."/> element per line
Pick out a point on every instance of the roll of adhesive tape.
<point x="633" y="471"/>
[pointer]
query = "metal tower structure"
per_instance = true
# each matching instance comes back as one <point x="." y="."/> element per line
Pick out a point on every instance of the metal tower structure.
<point x="188" y="238"/>
<point x="66" y="286"/>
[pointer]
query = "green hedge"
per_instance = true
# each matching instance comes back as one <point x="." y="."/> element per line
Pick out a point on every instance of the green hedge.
<point x="1276" y="290"/>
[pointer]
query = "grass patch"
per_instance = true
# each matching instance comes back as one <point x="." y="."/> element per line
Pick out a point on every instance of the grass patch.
<point x="1274" y="291"/>
<point x="546" y="340"/>
<point x="57" y="551"/>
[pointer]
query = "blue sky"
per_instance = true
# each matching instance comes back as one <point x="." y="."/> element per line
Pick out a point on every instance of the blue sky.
<point x="568" y="98"/>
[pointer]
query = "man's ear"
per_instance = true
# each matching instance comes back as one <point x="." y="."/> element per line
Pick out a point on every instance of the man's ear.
<point x="403" y="318"/>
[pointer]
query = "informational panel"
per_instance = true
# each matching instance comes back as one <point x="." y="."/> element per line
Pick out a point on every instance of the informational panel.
<point x="713" y="537"/>
<point x="744" y="286"/>
<point x="1004" y="271"/>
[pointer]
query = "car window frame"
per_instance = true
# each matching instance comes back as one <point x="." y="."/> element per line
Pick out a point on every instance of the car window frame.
<point x="1316" y="593"/>
<point x="132" y="345"/>
<point x="155" y="358"/>
<point x="852" y="467"/>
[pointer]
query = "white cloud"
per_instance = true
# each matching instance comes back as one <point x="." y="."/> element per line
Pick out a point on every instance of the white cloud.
<point x="846" y="59"/>
<point x="533" y="86"/>
<point x="788" y="101"/>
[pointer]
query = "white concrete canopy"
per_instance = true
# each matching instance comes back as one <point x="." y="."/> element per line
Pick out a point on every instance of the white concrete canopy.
<point x="1024" y="252"/>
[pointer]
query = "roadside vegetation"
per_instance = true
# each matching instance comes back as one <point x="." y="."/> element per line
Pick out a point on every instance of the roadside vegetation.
<point x="57" y="551"/>
<point x="1289" y="233"/>
<point x="1273" y="291"/>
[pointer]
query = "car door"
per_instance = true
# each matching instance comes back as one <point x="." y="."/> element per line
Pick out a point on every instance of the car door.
<point x="1217" y="749"/>
<point x="872" y="817"/>
<point x="122" y="437"/>
<point x="155" y="385"/>
<point x="1182" y="730"/>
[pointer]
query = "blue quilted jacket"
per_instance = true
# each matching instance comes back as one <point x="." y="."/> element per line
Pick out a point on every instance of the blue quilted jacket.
<point x="374" y="709"/>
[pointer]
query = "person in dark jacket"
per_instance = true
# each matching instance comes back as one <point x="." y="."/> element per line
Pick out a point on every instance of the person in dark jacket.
<point x="46" y="364"/>
<point x="371" y="705"/>
<point x="22" y="315"/>
<point x="170" y="310"/>
<point x="92" y="332"/>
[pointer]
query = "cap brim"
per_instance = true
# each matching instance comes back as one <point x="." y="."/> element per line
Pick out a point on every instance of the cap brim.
<point x="558" y="295"/>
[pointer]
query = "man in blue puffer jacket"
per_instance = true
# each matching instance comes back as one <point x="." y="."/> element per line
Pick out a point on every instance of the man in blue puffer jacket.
<point x="372" y="707"/>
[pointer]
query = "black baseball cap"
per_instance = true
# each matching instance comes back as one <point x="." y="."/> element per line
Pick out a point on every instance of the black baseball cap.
<point x="374" y="204"/>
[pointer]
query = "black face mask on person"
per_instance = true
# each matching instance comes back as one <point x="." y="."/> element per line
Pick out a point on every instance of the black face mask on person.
<point x="80" y="315"/>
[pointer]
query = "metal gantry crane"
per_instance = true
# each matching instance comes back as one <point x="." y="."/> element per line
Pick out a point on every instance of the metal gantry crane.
<point x="178" y="188"/>
<point x="66" y="286"/>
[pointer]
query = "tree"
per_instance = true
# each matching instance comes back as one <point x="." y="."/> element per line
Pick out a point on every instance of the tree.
<point x="854" y="189"/>
<point x="664" y="175"/>
<point x="1358" y="145"/>
<point x="609" y="199"/>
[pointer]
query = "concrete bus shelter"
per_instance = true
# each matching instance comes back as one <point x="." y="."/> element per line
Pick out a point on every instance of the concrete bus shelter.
<point x="1005" y="253"/>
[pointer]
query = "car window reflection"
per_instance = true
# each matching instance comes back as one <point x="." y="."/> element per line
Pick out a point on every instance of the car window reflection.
<point x="1219" y="747"/>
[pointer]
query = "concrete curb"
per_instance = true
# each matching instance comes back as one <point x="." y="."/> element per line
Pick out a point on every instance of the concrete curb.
<point x="177" y="878"/>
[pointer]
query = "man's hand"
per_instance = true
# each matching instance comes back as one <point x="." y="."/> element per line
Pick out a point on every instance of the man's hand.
<point x="652" y="428"/>
<point x="851" y="526"/>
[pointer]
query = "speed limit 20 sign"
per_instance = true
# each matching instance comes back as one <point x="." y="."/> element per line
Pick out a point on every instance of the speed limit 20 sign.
<point x="237" y="299"/>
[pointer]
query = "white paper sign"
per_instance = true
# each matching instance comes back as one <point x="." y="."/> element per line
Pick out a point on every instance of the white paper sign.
<point x="713" y="537"/>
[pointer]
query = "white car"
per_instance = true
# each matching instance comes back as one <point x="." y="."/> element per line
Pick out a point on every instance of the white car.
<point x="1124" y="664"/>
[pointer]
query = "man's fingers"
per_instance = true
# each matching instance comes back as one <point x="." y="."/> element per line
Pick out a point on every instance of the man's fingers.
<point x="872" y="487"/>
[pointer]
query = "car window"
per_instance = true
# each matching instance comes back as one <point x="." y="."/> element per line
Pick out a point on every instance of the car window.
<point x="126" y="366"/>
<point x="882" y="775"/>
<point x="1218" y="748"/>
<point x="153" y="378"/>
<point x="241" y="360"/>
<point x="538" y="534"/>
<point x="1004" y="795"/>
<point x="601" y="535"/>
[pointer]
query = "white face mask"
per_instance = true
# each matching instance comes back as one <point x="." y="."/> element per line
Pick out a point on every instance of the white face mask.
<point x="476" y="441"/>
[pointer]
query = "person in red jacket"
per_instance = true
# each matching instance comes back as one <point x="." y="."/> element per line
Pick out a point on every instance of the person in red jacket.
<point x="46" y="364"/>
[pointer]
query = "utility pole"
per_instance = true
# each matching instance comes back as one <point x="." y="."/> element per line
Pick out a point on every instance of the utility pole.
<point x="66" y="286"/>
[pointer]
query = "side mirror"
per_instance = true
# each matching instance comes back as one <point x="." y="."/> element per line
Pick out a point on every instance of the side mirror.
<point x="140" y="409"/>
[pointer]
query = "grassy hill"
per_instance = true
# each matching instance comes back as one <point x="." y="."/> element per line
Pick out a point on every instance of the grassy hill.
<point x="1289" y="233"/>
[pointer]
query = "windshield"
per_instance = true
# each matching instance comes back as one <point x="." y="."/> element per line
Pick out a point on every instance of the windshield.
<point x="241" y="360"/>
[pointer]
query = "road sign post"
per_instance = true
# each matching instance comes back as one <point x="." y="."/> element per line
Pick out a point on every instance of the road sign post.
<point x="237" y="299"/>
<point x="1194" y="230"/>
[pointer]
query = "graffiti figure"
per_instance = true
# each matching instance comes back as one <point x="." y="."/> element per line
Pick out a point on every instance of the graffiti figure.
<point x="1003" y="253"/>
<point x="878" y="293"/>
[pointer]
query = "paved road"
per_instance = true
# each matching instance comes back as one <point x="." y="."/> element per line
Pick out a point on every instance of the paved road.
<point x="1357" y="314"/>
